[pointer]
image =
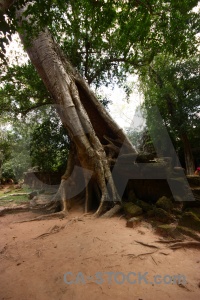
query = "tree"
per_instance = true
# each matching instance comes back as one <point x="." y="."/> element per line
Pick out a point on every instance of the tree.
<point x="96" y="140"/>
<point x="39" y="140"/>
<point x="35" y="135"/>
<point x="49" y="143"/>
<point x="18" y="160"/>
<point x="173" y="86"/>
<point x="20" y="83"/>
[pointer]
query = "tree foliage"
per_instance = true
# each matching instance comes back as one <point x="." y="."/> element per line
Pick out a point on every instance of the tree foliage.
<point x="105" y="39"/>
<point x="14" y="147"/>
<point x="39" y="140"/>
<point x="21" y="91"/>
<point x="28" y="117"/>
<point x="49" y="145"/>
<point x="174" y="87"/>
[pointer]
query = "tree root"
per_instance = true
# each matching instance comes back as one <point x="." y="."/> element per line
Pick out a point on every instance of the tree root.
<point x="53" y="206"/>
<point x="154" y="260"/>
<point x="59" y="215"/>
<point x="147" y="245"/>
<point x="10" y="210"/>
<point x="185" y="245"/>
<point x="168" y="241"/>
<point x="113" y="211"/>
<point x="177" y="244"/>
<point x="139" y="255"/>
<point x="56" y="228"/>
<point x="52" y="230"/>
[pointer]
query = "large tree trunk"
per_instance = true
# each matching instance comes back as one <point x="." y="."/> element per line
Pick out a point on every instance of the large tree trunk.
<point x="189" y="160"/>
<point x="96" y="140"/>
<point x="95" y="137"/>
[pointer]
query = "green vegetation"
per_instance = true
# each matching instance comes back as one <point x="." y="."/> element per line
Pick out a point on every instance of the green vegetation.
<point x="172" y="85"/>
<point x="6" y="198"/>
<point x="105" y="41"/>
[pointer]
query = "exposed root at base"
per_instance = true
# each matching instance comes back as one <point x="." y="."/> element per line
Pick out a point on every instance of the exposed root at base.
<point x="59" y="215"/>
<point x="113" y="211"/>
<point x="10" y="210"/>
<point x="53" y="206"/>
<point x="52" y="230"/>
<point x="131" y="255"/>
<point x="147" y="245"/>
<point x="185" y="245"/>
<point x="56" y="228"/>
<point x="169" y="241"/>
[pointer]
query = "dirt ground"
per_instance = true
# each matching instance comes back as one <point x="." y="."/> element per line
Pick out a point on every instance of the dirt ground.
<point x="36" y="256"/>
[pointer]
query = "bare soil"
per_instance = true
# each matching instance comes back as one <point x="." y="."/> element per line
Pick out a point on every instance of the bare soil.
<point x="33" y="267"/>
<point x="34" y="256"/>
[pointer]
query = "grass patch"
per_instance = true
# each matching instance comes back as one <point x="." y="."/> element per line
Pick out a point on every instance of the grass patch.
<point x="10" y="200"/>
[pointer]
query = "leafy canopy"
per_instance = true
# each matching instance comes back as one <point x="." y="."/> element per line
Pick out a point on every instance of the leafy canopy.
<point x="106" y="38"/>
<point x="174" y="87"/>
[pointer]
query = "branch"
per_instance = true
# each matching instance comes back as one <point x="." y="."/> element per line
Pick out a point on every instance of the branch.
<point x="108" y="62"/>
<point x="25" y="112"/>
<point x="146" y="5"/>
<point x="158" y="80"/>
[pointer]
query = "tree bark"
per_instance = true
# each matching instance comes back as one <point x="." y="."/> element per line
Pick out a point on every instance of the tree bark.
<point x="189" y="160"/>
<point x="95" y="137"/>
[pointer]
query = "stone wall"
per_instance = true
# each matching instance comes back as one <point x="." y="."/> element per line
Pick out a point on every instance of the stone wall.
<point x="38" y="179"/>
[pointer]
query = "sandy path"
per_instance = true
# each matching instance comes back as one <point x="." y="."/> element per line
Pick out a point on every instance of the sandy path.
<point x="34" y="268"/>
